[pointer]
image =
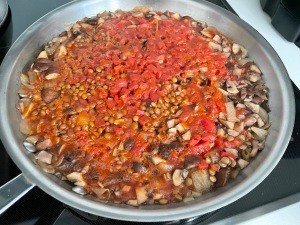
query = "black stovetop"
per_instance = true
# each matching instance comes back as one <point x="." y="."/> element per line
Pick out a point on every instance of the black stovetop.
<point x="37" y="207"/>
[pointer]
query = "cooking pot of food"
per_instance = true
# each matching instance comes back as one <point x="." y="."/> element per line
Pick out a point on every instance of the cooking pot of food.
<point x="29" y="44"/>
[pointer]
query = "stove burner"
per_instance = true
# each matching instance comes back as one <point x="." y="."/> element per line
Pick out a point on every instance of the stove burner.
<point x="89" y="219"/>
<point x="5" y="34"/>
<point x="292" y="150"/>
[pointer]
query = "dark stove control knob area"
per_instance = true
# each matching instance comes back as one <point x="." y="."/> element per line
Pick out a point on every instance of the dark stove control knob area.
<point x="285" y="16"/>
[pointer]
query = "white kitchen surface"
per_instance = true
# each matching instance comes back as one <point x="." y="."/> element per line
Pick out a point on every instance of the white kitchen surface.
<point x="251" y="12"/>
<point x="281" y="212"/>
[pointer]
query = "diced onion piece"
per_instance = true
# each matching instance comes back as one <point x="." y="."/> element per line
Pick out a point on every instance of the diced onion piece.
<point x="232" y="151"/>
<point x="45" y="157"/>
<point x="141" y="195"/>
<point x="156" y="160"/>
<point x="132" y="202"/>
<point x="242" y="163"/>
<point x="76" y="178"/>
<point x="171" y="123"/>
<point x="180" y="128"/>
<point x="187" y="135"/>
<point x="43" y="55"/>
<point x="172" y="130"/>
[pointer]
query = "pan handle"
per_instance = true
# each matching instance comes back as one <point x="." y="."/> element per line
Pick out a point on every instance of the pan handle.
<point x="13" y="190"/>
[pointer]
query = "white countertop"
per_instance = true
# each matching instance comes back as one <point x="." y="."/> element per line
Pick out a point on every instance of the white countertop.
<point x="283" y="211"/>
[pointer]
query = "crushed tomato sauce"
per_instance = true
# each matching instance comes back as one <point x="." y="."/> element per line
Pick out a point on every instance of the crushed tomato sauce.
<point x="137" y="99"/>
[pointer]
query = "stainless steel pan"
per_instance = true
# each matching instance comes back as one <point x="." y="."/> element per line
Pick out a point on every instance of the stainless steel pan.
<point x="26" y="47"/>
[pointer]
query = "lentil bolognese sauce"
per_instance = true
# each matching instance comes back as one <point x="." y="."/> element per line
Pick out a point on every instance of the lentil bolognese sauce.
<point x="143" y="107"/>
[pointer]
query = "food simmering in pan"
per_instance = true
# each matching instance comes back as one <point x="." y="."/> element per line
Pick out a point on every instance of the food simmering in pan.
<point x="143" y="107"/>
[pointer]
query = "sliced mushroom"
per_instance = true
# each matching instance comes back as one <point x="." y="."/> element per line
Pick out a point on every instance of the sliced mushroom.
<point x="233" y="133"/>
<point x="217" y="39"/>
<point x="46" y="167"/>
<point x="156" y="160"/>
<point x="234" y="173"/>
<point x="257" y="100"/>
<point x="239" y="127"/>
<point x="260" y="134"/>
<point x="191" y="161"/>
<point x="102" y="193"/>
<point x="92" y="21"/>
<point x="244" y="52"/>
<point x="236" y="48"/>
<point x="165" y="167"/>
<point x="45" y="144"/>
<point x="52" y="76"/>
<point x="222" y="177"/>
<point x="207" y="33"/>
<point x="25" y="128"/>
<point x="79" y="190"/>
<point x="44" y="156"/>
<point x="227" y="124"/>
<point x="231" y="87"/>
<point x="227" y="50"/>
<point x="231" y="112"/>
<point x="250" y="120"/>
<point x="179" y="176"/>
<point x="255" y="69"/>
<point x="201" y="181"/>
<point x="232" y="151"/>
<point x="32" y="139"/>
<point x="141" y="195"/>
<point x="25" y="81"/>
<point x="245" y="63"/>
<point x="253" y="152"/>
<point x="42" y="64"/>
<point x="263" y="115"/>
<point x="29" y="146"/>
<point x="215" y="46"/>
<point x="254" y="77"/>
<point x="129" y="144"/>
<point x="165" y="148"/>
<point x="245" y="154"/>
<point x="77" y="179"/>
<point x="172" y="131"/>
<point x="139" y="167"/>
<point x="69" y="111"/>
<point x="237" y="72"/>
<point x="49" y="94"/>
<point x="253" y="107"/>
<point x="260" y="122"/>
